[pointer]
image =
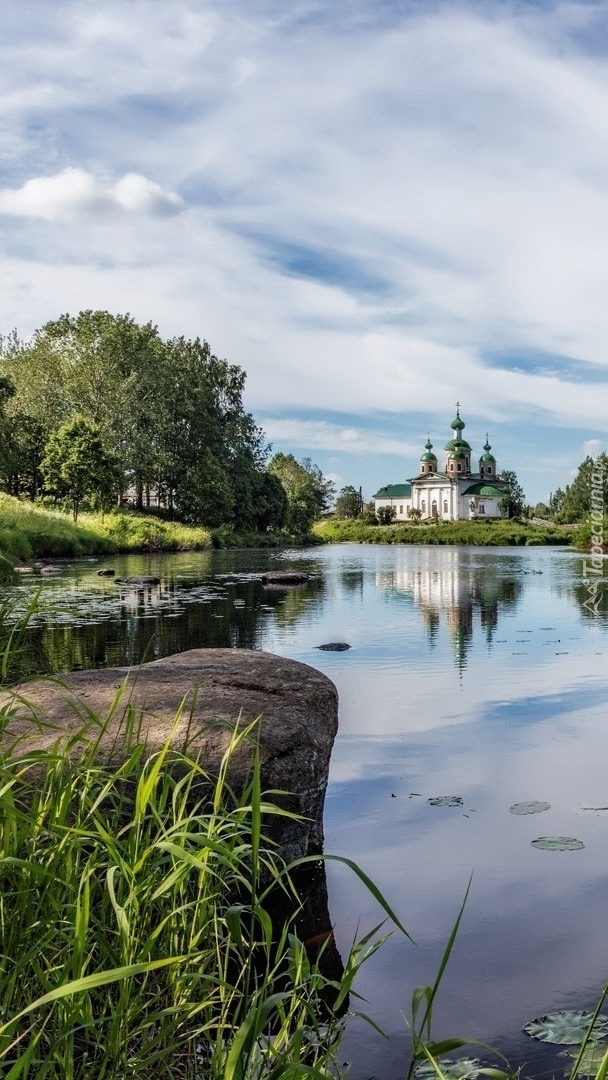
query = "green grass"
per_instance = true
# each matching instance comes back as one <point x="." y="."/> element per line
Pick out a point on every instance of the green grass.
<point x="482" y="533"/>
<point x="29" y="531"/>
<point x="135" y="926"/>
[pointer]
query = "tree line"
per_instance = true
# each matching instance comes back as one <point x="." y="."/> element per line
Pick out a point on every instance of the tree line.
<point x="96" y="409"/>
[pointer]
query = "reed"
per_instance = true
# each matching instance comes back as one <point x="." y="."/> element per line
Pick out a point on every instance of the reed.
<point x="136" y="930"/>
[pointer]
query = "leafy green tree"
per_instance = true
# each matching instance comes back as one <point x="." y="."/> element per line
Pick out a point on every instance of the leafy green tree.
<point x="349" y="503"/>
<point x="271" y="504"/>
<point x="309" y="494"/>
<point x="577" y="497"/>
<point x="386" y="514"/>
<point x="513" y="500"/>
<point x="414" y="514"/>
<point x="76" y="463"/>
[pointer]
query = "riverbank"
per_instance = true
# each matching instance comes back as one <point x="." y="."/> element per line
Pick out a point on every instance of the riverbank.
<point x="29" y="531"/>
<point x="478" y="533"/>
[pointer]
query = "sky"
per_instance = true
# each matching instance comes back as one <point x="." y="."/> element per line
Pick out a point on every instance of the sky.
<point x="376" y="208"/>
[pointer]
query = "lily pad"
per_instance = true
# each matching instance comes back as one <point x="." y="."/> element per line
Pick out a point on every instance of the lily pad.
<point x="567" y="1027"/>
<point x="461" y="1069"/>
<point x="531" y="807"/>
<point x="557" y="843"/>
<point x="446" y="800"/>
<point x="591" y="1060"/>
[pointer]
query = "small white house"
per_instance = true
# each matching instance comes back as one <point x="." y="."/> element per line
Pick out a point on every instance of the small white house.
<point x="456" y="494"/>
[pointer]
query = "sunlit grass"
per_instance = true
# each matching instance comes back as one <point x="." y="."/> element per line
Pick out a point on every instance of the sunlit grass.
<point x="30" y="531"/>
<point x="478" y="533"/>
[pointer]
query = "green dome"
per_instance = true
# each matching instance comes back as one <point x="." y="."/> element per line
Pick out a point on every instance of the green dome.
<point x="457" y="424"/>
<point x="428" y="447"/>
<point x="487" y="456"/>
<point x="457" y="444"/>
<point x="458" y="455"/>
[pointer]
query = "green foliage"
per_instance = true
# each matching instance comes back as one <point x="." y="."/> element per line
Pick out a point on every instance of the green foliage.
<point x="513" y="501"/>
<point x="309" y="494"/>
<point x="349" y="503"/>
<point x="588" y="533"/>
<point x="576" y="502"/>
<point x="169" y="413"/>
<point x="77" y="464"/>
<point x="28" y="531"/>
<point x="480" y="533"/>
<point x="136" y="923"/>
<point x="386" y="514"/>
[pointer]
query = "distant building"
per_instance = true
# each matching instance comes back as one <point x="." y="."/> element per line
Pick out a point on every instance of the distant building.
<point x="457" y="493"/>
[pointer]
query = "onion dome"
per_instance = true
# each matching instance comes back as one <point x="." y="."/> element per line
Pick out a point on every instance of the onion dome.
<point x="429" y="456"/>
<point x="457" y="424"/>
<point x="487" y="457"/>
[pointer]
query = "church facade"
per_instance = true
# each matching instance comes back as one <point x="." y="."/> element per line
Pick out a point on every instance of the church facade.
<point x="455" y="494"/>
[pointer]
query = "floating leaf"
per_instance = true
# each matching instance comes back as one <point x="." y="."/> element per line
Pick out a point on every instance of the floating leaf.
<point x="531" y="807"/>
<point x="557" y="843"/>
<point x="569" y="1026"/>
<point x="591" y="1060"/>
<point x="452" y="1070"/>
<point x="446" y="800"/>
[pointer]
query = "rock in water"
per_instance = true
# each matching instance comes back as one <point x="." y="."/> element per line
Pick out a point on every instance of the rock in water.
<point x="285" y="577"/>
<point x="218" y="688"/>
<point x="334" y="646"/>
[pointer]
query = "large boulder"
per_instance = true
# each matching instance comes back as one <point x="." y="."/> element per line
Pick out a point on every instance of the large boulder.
<point x="215" y="689"/>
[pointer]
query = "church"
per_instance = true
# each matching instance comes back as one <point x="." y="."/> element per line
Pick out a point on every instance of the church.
<point x="456" y="494"/>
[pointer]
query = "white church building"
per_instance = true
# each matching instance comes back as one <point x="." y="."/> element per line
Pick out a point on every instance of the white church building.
<point x="454" y="494"/>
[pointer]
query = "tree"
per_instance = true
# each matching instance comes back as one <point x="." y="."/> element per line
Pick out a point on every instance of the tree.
<point x="349" y="503"/>
<point x="76" y="464"/>
<point x="577" y="497"/>
<point x="386" y="514"/>
<point x="415" y="514"/>
<point x="309" y="494"/>
<point x="513" y="500"/>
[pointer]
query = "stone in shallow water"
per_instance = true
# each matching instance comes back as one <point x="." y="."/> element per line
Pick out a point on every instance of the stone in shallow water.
<point x="334" y="646"/>
<point x="285" y="577"/>
<point x="215" y="689"/>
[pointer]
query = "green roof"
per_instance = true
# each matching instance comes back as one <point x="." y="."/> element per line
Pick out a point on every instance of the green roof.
<point x="483" y="489"/>
<point x="488" y="457"/>
<point x="394" y="491"/>
<point x="429" y="456"/>
<point x="457" y="444"/>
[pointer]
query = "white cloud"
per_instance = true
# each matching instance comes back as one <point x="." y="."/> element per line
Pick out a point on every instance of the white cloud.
<point x="374" y="203"/>
<point x="75" y="192"/>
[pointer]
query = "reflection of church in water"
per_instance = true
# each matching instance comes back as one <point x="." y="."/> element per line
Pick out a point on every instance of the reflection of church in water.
<point x="450" y="585"/>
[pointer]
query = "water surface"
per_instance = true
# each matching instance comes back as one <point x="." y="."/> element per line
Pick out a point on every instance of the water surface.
<point x="473" y="673"/>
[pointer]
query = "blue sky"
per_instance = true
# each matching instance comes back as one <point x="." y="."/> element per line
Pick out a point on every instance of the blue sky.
<point x="375" y="208"/>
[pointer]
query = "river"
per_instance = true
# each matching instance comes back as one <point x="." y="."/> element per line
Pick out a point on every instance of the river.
<point x="475" y="677"/>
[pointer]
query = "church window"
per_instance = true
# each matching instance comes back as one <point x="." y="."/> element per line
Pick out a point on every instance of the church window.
<point x="423" y="506"/>
<point x="481" y="509"/>
<point x="401" y="510"/>
<point x="445" y="506"/>
<point x="434" y="509"/>
<point x="459" y="466"/>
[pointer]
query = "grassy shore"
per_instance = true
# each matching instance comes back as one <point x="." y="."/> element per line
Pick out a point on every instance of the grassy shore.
<point x="482" y="533"/>
<point x="28" y="531"/>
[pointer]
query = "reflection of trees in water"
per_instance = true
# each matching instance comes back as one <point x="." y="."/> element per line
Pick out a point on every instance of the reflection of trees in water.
<point x="291" y="602"/>
<point x="140" y="624"/>
<point x="352" y="581"/>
